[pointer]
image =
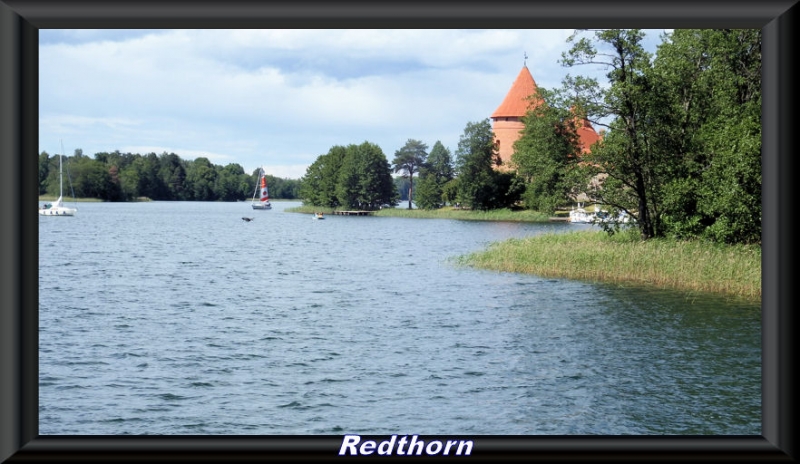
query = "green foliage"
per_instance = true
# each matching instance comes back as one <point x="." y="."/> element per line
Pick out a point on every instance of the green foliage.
<point x="115" y="176"/>
<point x="683" y="151"/>
<point x="712" y="80"/>
<point x="433" y="176"/>
<point x="481" y="186"/>
<point x="546" y="154"/>
<point x="202" y="176"/>
<point x="354" y="177"/>
<point x="450" y="191"/>
<point x="44" y="171"/>
<point x="365" y="182"/>
<point x="634" y="166"/>
<point x="318" y="186"/>
<point x="408" y="160"/>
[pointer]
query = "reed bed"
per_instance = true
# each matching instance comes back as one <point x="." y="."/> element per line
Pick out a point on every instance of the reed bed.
<point x="733" y="271"/>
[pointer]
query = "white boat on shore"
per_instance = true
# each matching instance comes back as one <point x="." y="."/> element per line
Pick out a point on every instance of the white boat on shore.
<point x="581" y="216"/>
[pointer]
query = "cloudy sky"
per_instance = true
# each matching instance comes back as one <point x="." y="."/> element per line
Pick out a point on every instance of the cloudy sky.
<point x="280" y="98"/>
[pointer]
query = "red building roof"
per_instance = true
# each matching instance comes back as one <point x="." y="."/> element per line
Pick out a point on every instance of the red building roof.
<point x="516" y="103"/>
<point x="587" y="135"/>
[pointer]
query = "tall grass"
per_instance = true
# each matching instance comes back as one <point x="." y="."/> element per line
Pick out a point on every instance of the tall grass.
<point x="622" y="258"/>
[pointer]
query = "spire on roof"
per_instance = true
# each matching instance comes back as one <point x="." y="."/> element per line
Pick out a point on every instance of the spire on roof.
<point x="516" y="103"/>
<point x="525" y="61"/>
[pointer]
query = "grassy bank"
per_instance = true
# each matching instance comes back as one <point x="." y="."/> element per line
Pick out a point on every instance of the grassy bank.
<point x="444" y="213"/>
<point x="46" y="198"/>
<point x="466" y="215"/>
<point x="733" y="271"/>
<point x="309" y="209"/>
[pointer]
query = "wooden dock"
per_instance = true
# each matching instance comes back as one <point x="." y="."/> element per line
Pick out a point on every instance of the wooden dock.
<point x="353" y="213"/>
<point x="559" y="219"/>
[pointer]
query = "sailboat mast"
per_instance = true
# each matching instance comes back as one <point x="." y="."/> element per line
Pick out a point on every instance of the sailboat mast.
<point x="60" y="176"/>
<point x="61" y="171"/>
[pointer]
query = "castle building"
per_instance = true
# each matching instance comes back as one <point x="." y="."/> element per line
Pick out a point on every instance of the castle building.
<point x="507" y="118"/>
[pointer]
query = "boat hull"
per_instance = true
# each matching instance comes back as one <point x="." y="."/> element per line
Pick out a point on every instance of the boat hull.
<point x="257" y="206"/>
<point x="57" y="212"/>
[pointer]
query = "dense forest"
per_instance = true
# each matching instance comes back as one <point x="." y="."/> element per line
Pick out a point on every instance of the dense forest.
<point x="119" y="176"/>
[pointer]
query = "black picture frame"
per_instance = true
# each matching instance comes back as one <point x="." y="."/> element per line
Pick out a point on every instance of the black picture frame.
<point x="20" y="21"/>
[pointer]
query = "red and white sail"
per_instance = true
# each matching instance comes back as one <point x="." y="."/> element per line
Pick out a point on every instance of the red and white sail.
<point x="264" y="190"/>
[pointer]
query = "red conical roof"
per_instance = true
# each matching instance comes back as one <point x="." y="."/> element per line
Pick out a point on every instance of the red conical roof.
<point x="516" y="103"/>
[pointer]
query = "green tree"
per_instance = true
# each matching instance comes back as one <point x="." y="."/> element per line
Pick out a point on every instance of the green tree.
<point x="433" y="175"/>
<point x="632" y="168"/>
<point x="229" y="182"/>
<point x="145" y="171"/>
<point x="450" y="191"/>
<point x="87" y="178"/>
<point x="546" y="154"/>
<point x="365" y="179"/>
<point x="408" y="160"/>
<point x="44" y="172"/>
<point x="318" y="186"/>
<point x="481" y="186"/>
<point x="714" y="83"/>
<point x="200" y="180"/>
<point x="172" y="173"/>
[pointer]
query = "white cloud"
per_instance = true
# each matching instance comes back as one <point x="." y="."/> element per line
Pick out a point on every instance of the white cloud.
<point x="279" y="97"/>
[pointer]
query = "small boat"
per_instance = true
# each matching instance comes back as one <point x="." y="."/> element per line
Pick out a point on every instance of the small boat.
<point x="57" y="208"/>
<point x="581" y="216"/>
<point x="319" y="215"/>
<point x="263" y="201"/>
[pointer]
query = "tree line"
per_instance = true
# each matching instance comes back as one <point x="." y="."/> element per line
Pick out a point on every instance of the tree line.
<point x="119" y="176"/>
<point x="680" y="150"/>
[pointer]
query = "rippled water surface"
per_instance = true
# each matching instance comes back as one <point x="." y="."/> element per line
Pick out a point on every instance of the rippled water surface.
<point x="180" y="318"/>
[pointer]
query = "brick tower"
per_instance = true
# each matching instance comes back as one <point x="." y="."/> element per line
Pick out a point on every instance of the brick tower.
<point x="507" y="118"/>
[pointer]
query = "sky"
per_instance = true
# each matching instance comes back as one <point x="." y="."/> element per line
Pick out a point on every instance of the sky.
<point x="278" y="99"/>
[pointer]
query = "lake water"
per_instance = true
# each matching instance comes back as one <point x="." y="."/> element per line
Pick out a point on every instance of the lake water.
<point x="180" y="318"/>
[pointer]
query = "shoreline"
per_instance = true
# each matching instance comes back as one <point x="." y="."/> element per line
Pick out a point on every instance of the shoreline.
<point x="731" y="271"/>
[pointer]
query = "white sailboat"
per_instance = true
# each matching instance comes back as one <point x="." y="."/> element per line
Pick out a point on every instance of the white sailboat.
<point x="263" y="201"/>
<point x="57" y="208"/>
